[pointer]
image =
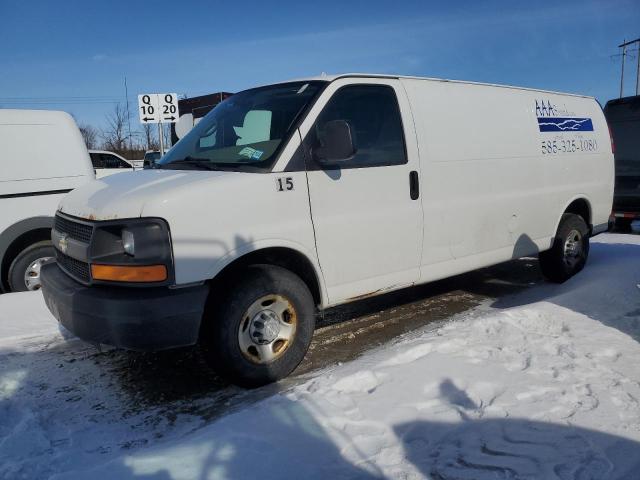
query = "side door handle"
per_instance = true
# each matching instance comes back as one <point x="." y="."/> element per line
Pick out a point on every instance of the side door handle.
<point x="414" y="185"/>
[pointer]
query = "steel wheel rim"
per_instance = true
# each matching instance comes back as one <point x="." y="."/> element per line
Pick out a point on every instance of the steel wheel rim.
<point x="32" y="273"/>
<point x="573" y="248"/>
<point x="267" y="329"/>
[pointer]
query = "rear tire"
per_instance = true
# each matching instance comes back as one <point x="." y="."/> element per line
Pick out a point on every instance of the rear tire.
<point x="24" y="272"/>
<point x="258" y="329"/>
<point x="623" y="225"/>
<point x="569" y="251"/>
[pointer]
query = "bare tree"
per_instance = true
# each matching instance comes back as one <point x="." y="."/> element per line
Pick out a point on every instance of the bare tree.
<point x="90" y="135"/>
<point x="149" y="137"/>
<point x="114" y="136"/>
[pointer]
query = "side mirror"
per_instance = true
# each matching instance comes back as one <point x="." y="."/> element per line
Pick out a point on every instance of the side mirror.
<point x="337" y="144"/>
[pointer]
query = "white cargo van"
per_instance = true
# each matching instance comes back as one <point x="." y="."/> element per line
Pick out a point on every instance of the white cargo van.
<point x="303" y="195"/>
<point x="42" y="157"/>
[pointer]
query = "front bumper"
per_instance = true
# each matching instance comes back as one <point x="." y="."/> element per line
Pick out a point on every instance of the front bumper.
<point x="143" y="319"/>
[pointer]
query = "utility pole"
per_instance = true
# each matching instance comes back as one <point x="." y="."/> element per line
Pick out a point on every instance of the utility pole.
<point x="126" y="94"/>
<point x="637" y="68"/>
<point x="624" y="46"/>
<point x="624" y="53"/>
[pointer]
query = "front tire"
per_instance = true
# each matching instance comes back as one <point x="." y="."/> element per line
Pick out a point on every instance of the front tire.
<point x="24" y="272"/>
<point x="569" y="251"/>
<point x="258" y="329"/>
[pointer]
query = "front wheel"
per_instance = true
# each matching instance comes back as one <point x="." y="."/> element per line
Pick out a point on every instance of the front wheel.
<point x="569" y="251"/>
<point x="258" y="330"/>
<point x="24" y="272"/>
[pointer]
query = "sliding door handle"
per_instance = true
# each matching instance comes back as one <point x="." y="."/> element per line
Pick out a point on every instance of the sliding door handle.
<point x="414" y="185"/>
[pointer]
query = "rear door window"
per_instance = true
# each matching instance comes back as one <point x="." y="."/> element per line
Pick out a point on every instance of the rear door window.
<point x="111" y="161"/>
<point x="96" y="160"/>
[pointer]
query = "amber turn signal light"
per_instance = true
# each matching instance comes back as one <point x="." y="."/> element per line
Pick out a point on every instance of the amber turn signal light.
<point x="134" y="273"/>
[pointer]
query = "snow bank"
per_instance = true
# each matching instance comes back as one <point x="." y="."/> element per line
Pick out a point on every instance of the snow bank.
<point x="24" y="314"/>
<point x="545" y="384"/>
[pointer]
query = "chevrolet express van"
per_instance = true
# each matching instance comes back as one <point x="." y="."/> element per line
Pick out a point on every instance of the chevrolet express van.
<point x="297" y="196"/>
<point x="42" y="157"/>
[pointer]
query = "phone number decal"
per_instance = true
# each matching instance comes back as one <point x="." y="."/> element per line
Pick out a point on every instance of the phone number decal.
<point x="568" y="146"/>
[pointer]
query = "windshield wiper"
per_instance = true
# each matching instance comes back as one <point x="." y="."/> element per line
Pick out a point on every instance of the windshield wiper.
<point x="190" y="161"/>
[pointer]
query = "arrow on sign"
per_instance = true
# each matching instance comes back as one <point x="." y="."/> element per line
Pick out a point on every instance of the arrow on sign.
<point x="169" y="118"/>
<point x="147" y="119"/>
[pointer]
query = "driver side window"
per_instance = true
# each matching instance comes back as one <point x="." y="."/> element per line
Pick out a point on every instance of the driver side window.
<point x="373" y="114"/>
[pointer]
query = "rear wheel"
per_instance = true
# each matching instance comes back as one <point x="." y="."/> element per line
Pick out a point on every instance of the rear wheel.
<point x="569" y="251"/>
<point x="259" y="328"/>
<point x="623" y="224"/>
<point x="24" y="272"/>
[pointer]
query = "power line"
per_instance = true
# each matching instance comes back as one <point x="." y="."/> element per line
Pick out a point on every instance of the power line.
<point x="61" y="102"/>
<point x="63" y="97"/>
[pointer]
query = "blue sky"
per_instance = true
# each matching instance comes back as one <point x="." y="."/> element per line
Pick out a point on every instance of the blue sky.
<point x="73" y="55"/>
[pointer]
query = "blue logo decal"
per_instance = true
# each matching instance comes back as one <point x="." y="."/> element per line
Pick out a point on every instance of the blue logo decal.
<point x="552" y="118"/>
<point x="562" y="124"/>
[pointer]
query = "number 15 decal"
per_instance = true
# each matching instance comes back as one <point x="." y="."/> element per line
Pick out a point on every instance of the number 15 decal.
<point x="284" y="183"/>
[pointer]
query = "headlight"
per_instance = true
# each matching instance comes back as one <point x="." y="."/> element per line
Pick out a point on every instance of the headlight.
<point x="131" y="251"/>
<point x="128" y="242"/>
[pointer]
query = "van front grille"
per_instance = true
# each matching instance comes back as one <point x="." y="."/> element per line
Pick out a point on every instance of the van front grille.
<point x="76" y="268"/>
<point x="76" y="230"/>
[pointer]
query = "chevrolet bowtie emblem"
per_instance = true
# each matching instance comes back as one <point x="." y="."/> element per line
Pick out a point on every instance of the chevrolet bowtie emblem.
<point x="63" y="243"/>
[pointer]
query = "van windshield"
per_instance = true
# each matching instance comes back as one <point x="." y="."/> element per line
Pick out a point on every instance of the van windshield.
<point x="245" y="131"/>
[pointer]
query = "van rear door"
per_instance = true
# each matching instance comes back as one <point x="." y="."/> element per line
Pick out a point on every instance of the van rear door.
<point x="366" y="211"/>
<point x="623" y="117"/>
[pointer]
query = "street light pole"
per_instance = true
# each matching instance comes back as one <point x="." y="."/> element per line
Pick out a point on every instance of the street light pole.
<point x="160" y="135"/>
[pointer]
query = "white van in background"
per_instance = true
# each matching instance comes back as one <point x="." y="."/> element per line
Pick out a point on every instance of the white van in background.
<point x="307" y="194"/>
<point x="107" y="163"/>
<point x="42" y="157"/>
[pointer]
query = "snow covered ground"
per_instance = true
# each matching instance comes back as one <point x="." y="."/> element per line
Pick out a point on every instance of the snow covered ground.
<point x="543" y="384"/>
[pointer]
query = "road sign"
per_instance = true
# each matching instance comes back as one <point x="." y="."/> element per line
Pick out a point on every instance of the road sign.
<point x="168" y="105"/>
<point x="148" y="108"/>
<point x="158" y="107"/>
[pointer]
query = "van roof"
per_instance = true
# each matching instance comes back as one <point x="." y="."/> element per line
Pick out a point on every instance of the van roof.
<point x="33" y="117"/>
<point x="331" y="78"/>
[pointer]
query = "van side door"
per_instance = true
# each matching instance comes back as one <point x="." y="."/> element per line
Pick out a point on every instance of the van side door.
<point x="366" y="210"/>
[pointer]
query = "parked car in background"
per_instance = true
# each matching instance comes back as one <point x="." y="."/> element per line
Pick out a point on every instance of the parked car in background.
<point x="42" y="157"/>
<point x="303" y="195"/>
<point x="150" y="158"/>
<point x="107" y="163"/>
<point x="137" y="163"/>
<point x="623" y="116"/>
